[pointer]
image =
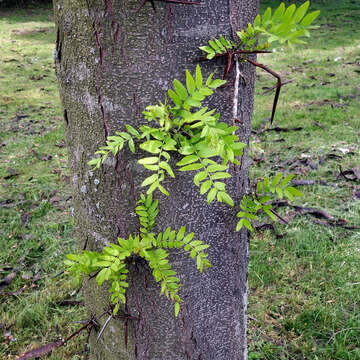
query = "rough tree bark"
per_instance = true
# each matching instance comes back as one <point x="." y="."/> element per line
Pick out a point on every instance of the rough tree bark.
<point x="111" y="62"/>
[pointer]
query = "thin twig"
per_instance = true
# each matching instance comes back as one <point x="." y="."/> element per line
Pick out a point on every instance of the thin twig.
<point x="275" y="86"/>
<point x="58" y="274"/>
<point x="278" y="85"/>
<point x="87" y="324"/>
<point x="279" y="217"/>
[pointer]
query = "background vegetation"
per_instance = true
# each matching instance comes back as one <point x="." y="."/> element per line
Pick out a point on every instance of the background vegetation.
<point x="304" y="279"/>
<point x="21" y="3"/>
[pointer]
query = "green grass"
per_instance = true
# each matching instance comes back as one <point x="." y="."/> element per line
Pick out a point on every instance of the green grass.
<point x="304" y="287"/>
<point x="35" y="203"/>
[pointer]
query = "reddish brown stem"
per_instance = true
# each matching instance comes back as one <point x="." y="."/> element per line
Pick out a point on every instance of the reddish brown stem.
<point x="229" y="63"/>
<point x="87" y="324"/>
<point x="279" y="217"/>
<point x="278" y="85"/>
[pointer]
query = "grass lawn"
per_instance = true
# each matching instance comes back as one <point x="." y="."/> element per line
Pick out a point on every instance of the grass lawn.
<point x="36" y="227"/>
<point x="304" y="278"/>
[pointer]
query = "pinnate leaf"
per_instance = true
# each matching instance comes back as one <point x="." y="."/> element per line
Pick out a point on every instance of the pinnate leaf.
<point x="211" y="195"/>
<point x="198" y="77"/>
<point x="190" y="82"/>
<point x="191" y="167"/>
<point x="176" y="309"/>
<point x="148" y="160"/>
<point x="200" y="176"/>
<point x="309" y="18"/>
<point x="180" y="89"/>
<point x="149" y="180"/>
<point x="300" y="12"/>
<point x="187" y="160"/>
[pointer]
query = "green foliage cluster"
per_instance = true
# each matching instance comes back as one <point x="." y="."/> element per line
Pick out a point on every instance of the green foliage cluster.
<point x="194" y="135"/>
<point x="258" y="201"/>
<point x="111" y="264"/>
<point x="285" y="25"/>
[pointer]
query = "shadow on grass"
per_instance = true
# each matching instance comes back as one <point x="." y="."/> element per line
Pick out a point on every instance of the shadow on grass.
<point x="44" y="34"/>
<point x="32" y="13"/>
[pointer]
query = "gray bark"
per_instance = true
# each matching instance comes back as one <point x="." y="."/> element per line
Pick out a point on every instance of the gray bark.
<point x="111" y="63"/>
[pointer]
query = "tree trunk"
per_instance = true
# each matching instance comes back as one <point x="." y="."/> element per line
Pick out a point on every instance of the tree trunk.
<point x="111" y="63"/>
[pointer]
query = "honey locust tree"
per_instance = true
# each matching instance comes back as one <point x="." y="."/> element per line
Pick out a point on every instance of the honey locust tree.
<point x="113" y="58"/>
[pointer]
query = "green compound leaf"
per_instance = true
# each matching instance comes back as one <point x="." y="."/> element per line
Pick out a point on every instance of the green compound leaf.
<point x="257" y="21"/>
<point x="180" y="89"/>
<point x="187" y="160"/>
<point x="164" y="165"/>
<point x="176" y="309"/>
<point x="286" y="180"/>
<point x="217" y="83"/>
<point x="181" y="233"/>
<point x="247" y="224"/>
<point x="294" y="191"/>
<point x="205" y="186"/>
<point x="279" y="12"/>
<point x="190" y="83"/>
<point x="220" y="175"/>
<point x="163" y="190"/>
<point x="308" y="19"/>
<point x="151" y="146"/>
<point x="132" y="130"/>
<point x="276" y="179"/>
<point x="300" y="12"/>
<point x="149" y="180"/>
<point x="175" y="98"/>
<point x="200" y="176"/>
<point x="226" y="198"/>
<point x="289" y="13"/>
<point x="148" y="160"/>
<point x="191" y="167"/>
<point x="216" y="167"/>
<point x="198" y="77"/>
<point x="211" y="195"/>
<point x="199" y="136"/>
<point x="103" y="275"/>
